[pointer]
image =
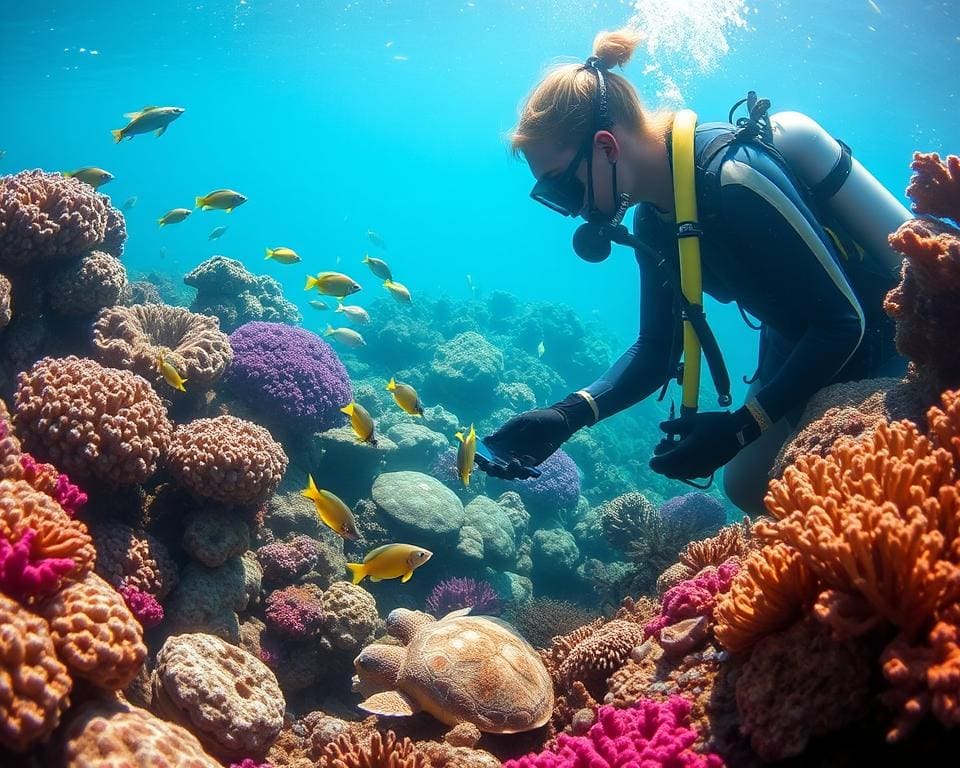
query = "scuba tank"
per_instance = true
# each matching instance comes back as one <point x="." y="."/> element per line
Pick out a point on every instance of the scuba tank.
<point x="848" y="191"/>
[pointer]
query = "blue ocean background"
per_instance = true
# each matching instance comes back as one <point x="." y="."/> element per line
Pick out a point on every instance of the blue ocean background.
<point x="339" y="117"/>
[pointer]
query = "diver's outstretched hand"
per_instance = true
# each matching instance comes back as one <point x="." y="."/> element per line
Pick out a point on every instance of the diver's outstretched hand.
<point x="522" y="443"/>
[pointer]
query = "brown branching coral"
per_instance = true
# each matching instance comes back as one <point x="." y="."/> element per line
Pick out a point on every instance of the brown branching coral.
<point x="376" y="751"/>
<point x="935" y="185"/>
<point x="591" y="654"/>
<point x="730" y="541"/>
<point x="134" y="337"/>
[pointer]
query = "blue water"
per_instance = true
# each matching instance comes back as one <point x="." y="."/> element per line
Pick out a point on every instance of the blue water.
<point x="338" y="117"/>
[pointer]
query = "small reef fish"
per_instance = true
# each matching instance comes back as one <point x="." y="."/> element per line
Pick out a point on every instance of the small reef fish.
<point x="146" y="120"/>
<point x="346" y="336"/>
<point x="332" y="284"/>
<point x="220" y="199"/>
<point x="216" y="232"/>
<point x="391" y="561"/>
<point x="174" y="216"/>
<point x="129" y="204"/>
<point x="377" y="239"/>
<point x="541" y="349"/>
<point x="317" y="304"/>
<point x="331" y="510"/>
<point x="379" y="267"/>
<point x="398" y="290"/>
<point x="354" y="313"/>
<point x="466" y="452"/>
<point x="406" y="397"/>
<point x="95" y="177"/>
<point x="170" y="374"/>
<point x="874" y="7"/>
<point x="283" y="255"/>
<point x="361" y="421"/>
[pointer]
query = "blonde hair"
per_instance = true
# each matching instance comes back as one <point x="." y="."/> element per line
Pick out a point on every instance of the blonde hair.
<point x="559" y="110"/>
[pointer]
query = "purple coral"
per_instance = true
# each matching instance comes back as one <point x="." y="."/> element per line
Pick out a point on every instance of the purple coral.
<point x="694" y="597"/>
<point x="697" y="512"/>
<point x="22" y="576"/>
<point x="143" y="605"/>
<point x="296" y="611"/>
<point x="557" y="488"/>
<point x="289" y="375"/>
<point x="456" y="593"/>
<point x="285" y="561"/>
<point x="648" y="734"/>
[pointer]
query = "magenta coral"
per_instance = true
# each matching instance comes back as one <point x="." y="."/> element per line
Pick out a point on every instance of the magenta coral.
<point x="648" y="735"/>
<point x="296" y="611"/>
<point x="694" y="597"/>
<point x="456" y="593"/>
<point x="285" y="561"/>
<point x="249" y="762"/>
<point x="143" y="605"/>
<point x="23" y="575"/>
<point x="54" y="484"/>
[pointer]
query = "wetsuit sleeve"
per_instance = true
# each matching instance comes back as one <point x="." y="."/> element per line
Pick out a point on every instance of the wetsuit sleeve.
<point x="644" y="366"/>
<point x="784" y="247"/>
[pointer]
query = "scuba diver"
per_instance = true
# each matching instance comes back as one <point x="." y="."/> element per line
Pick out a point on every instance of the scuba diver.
<point x="769" y="212"/>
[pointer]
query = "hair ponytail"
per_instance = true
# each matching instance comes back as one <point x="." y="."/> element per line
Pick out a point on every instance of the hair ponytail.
<point x="616" y="48"/>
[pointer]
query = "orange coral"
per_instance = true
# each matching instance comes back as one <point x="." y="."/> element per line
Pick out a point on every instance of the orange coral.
<point x="376" y="752"/>
<point x="94" y="632"/>
<point x="33" y="683"/>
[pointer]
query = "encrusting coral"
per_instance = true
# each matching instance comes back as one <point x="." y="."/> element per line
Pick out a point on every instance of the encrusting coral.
<point x="591" y="654"/>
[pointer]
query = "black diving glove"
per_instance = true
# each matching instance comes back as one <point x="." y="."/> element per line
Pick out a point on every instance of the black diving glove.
<point x="707" y="442"/>
<point x="529" y="438"/>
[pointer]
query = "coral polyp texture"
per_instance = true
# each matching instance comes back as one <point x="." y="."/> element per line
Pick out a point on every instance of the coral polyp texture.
<point x="226" y="459"/>
<point x="96" y="281"/>
<point x="290" y="375"/>
<point x="91" y="421"/>
<point x="135" y="337"/>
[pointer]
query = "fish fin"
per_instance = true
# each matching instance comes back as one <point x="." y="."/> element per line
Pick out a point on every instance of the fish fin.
<point x="311" y="282"/>
<point x="392" y="384"/>
<point x="68" y="174"/>
<point x="117" y="135"/>
<point x="389" y="703"/>
<point x="366" y="258"/>
<point x="229" y="210"/>
<point x="339" y="306"/>
<point x="269" y="254"/>
<point x="387" y="283"/>
<point x="329" y="331"/>
<point x="182" y="388"/>
<point x="199" y="203"/>
<point x="459" y="436"/>
<point x="311" y="491"/>
<point x="132" y="115"/>
<point x="161" y="222"/>
<point x="357" y="571"/>
<point x="375" y="578"/>
<point x="347" y="409"/>
<point x="161" y="130"/>
<point x="406" y="577"/>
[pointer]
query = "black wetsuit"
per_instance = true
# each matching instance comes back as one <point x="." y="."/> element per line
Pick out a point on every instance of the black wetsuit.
<point x="762" y="247"/>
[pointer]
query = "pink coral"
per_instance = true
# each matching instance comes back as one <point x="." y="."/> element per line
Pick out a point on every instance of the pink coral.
<point x="286" y="561"/>
<point x="143" y="605"/>
<point x="694" y="597"/>
<point x="296" y="611"/>
<point x="23" y="574"/>
<point x="249" y="762"/>
<point x="46" y="478"/>
<point x="647" y="734"/>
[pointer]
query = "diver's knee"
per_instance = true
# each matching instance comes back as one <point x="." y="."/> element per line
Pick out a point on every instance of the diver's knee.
<point x="745" y="484"/>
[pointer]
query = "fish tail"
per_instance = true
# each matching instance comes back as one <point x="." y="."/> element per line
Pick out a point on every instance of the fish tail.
<point x="357" y="571"/>
<point x="198" y="203"/>
<point x="392" y="385"/>
<point x="329" y="331"/>
<point x="311" y="282"/>
<point x="387" y="283"/>
<point x="459" y="436"/>
<point x="311" y="492"/>
<point x="117" y="135"/>
<point x="181" y="387"/>
<point x="161" y="222"/>
<point x="366" y="258"/>
<point x="347" y="409"/>
<point x="269" y="254"/>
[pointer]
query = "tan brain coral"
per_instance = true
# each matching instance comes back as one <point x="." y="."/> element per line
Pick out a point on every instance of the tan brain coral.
<point x="227" y="459"/>
<point x="133" y="338"/>
<point x="94" y="632"/>
<point x="33" y="683"/>
<point x="95" y="281"/>
<point x="91" y="421"/>
<point x="230" y="699"/>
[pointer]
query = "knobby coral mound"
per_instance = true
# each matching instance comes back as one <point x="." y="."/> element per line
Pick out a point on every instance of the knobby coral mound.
<point x="82" y="288"/>
<point x="227" y="459"/>
<point x="91" y="421"/>
<point x="135" y="337"/>
<point x="591" y="654"/>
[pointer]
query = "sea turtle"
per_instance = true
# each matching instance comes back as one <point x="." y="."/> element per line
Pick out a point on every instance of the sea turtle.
<point x="462" y="668"/>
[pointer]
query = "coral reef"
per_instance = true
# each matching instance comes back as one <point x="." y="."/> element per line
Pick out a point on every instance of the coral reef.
<point x="284" y="562"/>
<point x="375" y="751"/>
<point x="591" y="654"/>
<point x="226" y="290"/>
<point x="466" y="369"/>
<point x="226" y="459"/>
<point x="554" y="493"/>
<point x="455" y="593"/>
<point x="694" y="597"/>
<point x="417" y="504"/>
<point x="128" y="558"/>
<point x="134" y="338"/>
<point x="96" y="281"/>
<point x="541" y="619"/>
<point x="91" y="421"/>
<point x="290" y="375"/>
<point x="295" y="611"/>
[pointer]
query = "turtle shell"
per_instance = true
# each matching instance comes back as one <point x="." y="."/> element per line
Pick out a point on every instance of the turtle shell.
<point x="477" y="669"/>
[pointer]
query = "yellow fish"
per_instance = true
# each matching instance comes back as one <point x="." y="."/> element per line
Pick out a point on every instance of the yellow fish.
<point x="221" y="199"/>
<point x="146" y="120"/>
<point x="346" y="336"/>
<point x="95" y="177"/>
<point x="390" y="561"/>
<point x="332" y="284"/>
<point x="398" y="291"/>
<point x="406" y="397"/>
<point x="354" y="313"/>
<point x="170" y="374"/>
<point x="465" y="453"/>
<point x="316" y="304"/>
<point x="174" y="216"/>
<point x="283" y="255"/>
<point x="379" y="267"/>
<point x="541" y="349"/>
<point x="332" y="511"/>
<point x="361" y="421"/>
